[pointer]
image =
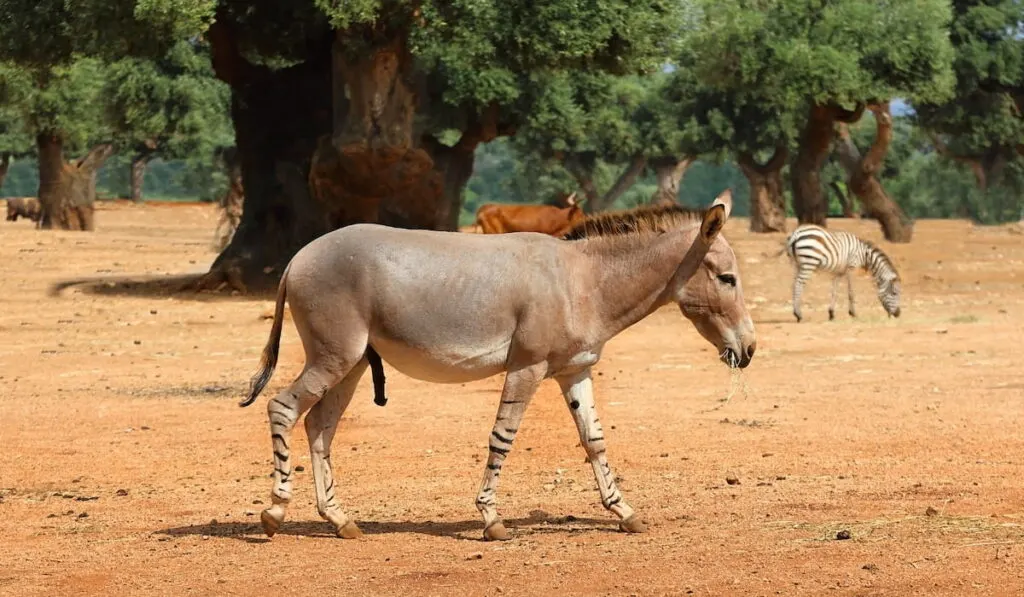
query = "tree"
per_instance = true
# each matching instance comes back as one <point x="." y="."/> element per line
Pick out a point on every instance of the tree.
<point x="982" y="126"/>
<point x="354" y="126"/>
<point x="172" y="106"/>
<point x="831" y="57"/>
<point x="340" y="107"/>
<point x="15" y="141"/>
<point x="45" y="41"/>
<point x="740" y="121"/>
<point x="58" y="106"/>
<point x="581" y="123"/>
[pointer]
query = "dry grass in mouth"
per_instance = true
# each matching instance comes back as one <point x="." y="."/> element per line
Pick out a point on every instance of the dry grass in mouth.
<point x="737" y="382"/>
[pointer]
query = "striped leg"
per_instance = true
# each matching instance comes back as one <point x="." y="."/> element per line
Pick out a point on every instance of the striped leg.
<point x="520" y="386"/>
<point x="849" y="289"/>
<point x="832" y="299"/>
<point x="284" y="411"/>
<point x="798" y="289"/>
<point x="321" y="423"/>
<point x="578" y="390"/>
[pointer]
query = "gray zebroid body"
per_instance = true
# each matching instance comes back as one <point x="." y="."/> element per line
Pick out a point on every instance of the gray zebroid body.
<point x="450" y="307"/>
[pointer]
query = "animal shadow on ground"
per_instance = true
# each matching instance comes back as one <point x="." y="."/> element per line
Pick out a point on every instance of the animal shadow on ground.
<point x="464" y="530"/>
<point x="179" y="286"/>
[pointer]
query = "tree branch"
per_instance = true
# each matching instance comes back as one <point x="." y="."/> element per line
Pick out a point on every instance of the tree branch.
<point x="777" y="161"/>
<point x="95" y="157"/>
<point x="625" y="182"/>
<point x="974" y="162"/>
<point x="841" y="114"/>
<point x="872" y="161"/>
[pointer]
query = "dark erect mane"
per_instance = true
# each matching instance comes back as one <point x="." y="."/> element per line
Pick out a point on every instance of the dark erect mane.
<point x="647" y="218"/>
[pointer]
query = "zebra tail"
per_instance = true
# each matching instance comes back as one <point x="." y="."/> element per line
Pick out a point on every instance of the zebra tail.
<point x="268" y="361"/>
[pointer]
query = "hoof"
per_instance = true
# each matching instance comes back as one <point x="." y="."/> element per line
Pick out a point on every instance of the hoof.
<point x="496" y="532"/>
<point x="831" y="315"/>
<point x="798" y="318"/>
<point x="270" y="524"/>
<point x="349" y="530"/>
<point x="633" y="524"/>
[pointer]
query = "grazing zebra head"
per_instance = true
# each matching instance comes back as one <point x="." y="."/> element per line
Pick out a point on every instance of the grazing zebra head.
<point x="712" y="298"/>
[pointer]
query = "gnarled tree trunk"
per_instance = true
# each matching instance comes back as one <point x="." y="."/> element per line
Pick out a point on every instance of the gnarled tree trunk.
<point x="67" y="190"/>
<point x="863" y="181"/>
<point x="278" y="115"/>
<point x="329" y="142"/>
<point x="138" y="174"/>
<point x="815" y="140"/>
<point x="5" y="163"/>
<point x="767" y="202"/>
<point x="668" y="172"/>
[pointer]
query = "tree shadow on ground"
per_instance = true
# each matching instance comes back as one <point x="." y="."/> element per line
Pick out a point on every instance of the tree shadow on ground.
<point x="181" y="286"/>
<point x="537" y="522"/>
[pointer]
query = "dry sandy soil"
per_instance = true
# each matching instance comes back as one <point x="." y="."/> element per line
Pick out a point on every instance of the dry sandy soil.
<point x="128" y="468"/>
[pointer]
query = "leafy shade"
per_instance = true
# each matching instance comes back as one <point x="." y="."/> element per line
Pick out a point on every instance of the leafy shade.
<point x="844" y="51"/>
<point x="173" y="106"/>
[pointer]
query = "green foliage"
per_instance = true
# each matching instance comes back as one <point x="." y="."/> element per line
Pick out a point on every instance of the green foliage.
<point x="62" y="100"/>
<point x="38" y="34"/>
<point x="844" y="51"/>
<point x="174" y="105"/>
<point x="983" y="119"/>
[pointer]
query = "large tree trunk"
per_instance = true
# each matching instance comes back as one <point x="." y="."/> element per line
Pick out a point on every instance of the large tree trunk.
<point x="67" y="190"/>
<point x="669" y="173"/>
<point x="767" y="202"/>
<point x="278" y="116"/>
<point x="139" y="162"/>
<point x="808" y="197"/>
<point x="5" y="162"/>
<point x="231" y="203"/>
<point x="863" y="181"/>
<point x="330" y="142"/>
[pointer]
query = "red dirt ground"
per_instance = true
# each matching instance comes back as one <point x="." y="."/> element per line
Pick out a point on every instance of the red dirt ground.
<point x="129" y="469"/>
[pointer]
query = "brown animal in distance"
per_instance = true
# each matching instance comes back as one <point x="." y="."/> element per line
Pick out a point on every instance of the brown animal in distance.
<point x="26" y="207"/>
<point x="501" y="218"/>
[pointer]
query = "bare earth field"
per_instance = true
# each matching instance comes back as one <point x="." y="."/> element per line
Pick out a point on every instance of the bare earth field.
<point x="128" y="469"/>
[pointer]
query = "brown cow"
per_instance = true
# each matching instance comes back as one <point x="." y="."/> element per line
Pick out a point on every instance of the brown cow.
<point x="500" y="218"/>
<point x="26" y="207"/>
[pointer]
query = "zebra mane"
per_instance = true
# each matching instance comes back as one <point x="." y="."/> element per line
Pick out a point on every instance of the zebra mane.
<point x="647" y="218"/>
<point x="873" y="248"/>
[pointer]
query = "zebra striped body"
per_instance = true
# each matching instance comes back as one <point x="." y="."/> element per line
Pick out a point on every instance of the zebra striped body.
<point x="813" y="248"/>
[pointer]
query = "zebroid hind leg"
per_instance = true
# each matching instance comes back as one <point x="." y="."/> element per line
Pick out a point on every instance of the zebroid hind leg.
<point x="578" y="390"/>
<point x="284" y="411"/>
<point x="520" y="386"/>
<point x="321" y="424"/>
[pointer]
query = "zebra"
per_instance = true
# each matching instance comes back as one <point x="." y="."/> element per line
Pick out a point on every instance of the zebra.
<point x="812" y="247"/>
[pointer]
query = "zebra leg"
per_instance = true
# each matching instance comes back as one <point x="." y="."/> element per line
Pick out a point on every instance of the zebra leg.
<point x="578" y="390"/>
<point x="832" y="300"/>
<point x="321" y="423"/>
<point x="798" y="290"/>
<point x="284" y="411"/>
<point x="520" y="386"/>
<point x="849" y="289"/>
